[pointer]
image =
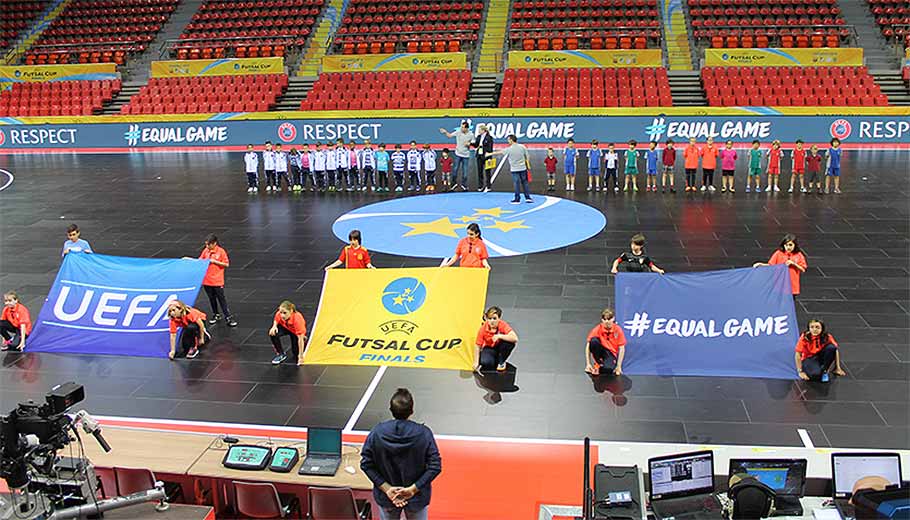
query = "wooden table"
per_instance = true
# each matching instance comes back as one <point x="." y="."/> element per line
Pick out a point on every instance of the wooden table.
<point x="162" y="452"/>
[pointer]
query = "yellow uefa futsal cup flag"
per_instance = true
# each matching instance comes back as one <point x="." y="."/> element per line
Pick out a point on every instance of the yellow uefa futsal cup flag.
<point x="420" y="317"/>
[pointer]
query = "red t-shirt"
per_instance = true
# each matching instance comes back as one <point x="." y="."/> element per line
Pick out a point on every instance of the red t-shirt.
<point x="808" y="347"/>
<point x="774" y="160"/>
<point x="669" y="156"/>
<point x="214" y="275"/>
<point x="295" y="323"/>
<point x="550" y="163"/>
<point x="354" y="258"/>
<point x="611" y="338"/>
<point x="709" y="157"/>
<point x="799" y="160"/>
<point x="813" y="162"/>
<point x="445" y="164"/>
<point x="780" y="257"/>
<point x="472" y="252"/>
<point x="485" y="335"/>
<point x="191" y="317"/>
<point x="18" y="316"/>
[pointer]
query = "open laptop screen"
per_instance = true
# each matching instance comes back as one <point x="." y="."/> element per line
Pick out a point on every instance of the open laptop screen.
<point x="681" y="475"/>
<point x="847" y="468"/>
<point x="323" y="441"/>
<point x="784" y="476"/>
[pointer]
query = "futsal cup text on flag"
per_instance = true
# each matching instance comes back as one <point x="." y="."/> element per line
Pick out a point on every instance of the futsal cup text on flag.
<point x="421" y="317"/>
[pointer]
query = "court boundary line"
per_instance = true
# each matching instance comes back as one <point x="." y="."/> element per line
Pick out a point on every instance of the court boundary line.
<point x="364" y="399"/>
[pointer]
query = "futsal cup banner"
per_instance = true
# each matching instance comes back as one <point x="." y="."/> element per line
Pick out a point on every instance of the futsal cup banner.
<point x="402" y="61"/>
<point x="102" y="304"/>
<point x="789" y="57"/>
<point x="222" y="67"/>
<point x="733" y="323"/>
<point x="40" y="73"/>
<point x="420" y="317"/>
<point x="585" y="59"/>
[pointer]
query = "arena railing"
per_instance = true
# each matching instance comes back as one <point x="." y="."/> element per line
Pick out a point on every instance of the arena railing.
<point x="774" y="32"/>
<point x="292" y="42"/>
<point x="90" y="47"/>
<point x="404" y="37"/>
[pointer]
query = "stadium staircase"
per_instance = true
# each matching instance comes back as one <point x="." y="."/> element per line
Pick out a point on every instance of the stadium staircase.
<point x="676" y="42"/>
<point x="137" y="68"/>
<point x="298" y="89"/>
<point x="319" y="42"/>
<point x="878" y="53"/>
<point x="484" y="91"/>
<point x="495" y="23"/>
<point x="893" y="86"/>
<point x="127" y="90"/>
<point x="17" y="50"/>
<point x="686" y="89"/>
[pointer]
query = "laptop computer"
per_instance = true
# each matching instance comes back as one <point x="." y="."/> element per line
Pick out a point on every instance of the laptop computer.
<point x="323" y="452"/>
<point x="848" y="468"/>
<point x="787" y="477"/>
<point x="682" y="486"/>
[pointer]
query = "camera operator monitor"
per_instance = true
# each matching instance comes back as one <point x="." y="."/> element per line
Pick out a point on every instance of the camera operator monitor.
<point x="848" y="468"/>
<point x="784" y="476"/>
<point x="247" y="457"/>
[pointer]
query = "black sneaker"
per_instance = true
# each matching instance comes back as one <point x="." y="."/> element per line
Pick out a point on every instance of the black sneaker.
<point x="192" y="353"/>
<point x="231" y="322"/>
<point x="214" y="319"/>
<point x="516" y="201"/>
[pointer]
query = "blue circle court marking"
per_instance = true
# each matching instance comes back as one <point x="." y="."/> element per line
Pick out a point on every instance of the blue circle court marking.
<point x="404" y="296"/>
<point x="430" y="226"/>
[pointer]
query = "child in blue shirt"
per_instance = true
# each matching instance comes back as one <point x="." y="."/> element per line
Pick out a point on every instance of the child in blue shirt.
<point x="74" y="244"/>
<point x="652" y="157"/>
<point x="569" y="154"/>
<point x="382" y="168"/>
<point x="594" y="157"/>
<point x="833" y="167"/>
<point x="398" y="159"/>
<point x="413" y="160"/>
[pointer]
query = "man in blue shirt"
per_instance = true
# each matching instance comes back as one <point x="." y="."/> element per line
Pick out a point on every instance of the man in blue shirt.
<point x="400" y="457"/>
<point x="74" y="243"/>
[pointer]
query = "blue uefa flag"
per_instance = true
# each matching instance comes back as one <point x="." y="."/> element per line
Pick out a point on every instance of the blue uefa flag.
<point x="103" y="304"/>
<point x="736" y="323"/>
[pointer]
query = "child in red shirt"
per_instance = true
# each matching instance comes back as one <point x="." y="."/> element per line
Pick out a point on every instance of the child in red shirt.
<point x="15" y="323"/>
<point x="193" y="323"/>
<point x="213" y="283"/>
<point x="816" y="351"/>
<point x="669" y="160"/>
<point x="606" y="345"/>
<point x="445" y="166"/>
<point x="353" y="256"/>
<point x="790" y="254"/>
<point x="550" y="164"/>
<point x="774" y="155"/>
<point x="814" y="167"/>
<point x="470" y="249"/>
<point x="495" y="342"/>
<point x="288" y="322"/>
<point x="799" y="167"/>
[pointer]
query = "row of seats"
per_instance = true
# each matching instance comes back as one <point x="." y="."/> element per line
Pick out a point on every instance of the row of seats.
<point x="594" y="24"/>
<point x="584" y="4"/>
<point x="893" y="17"/>
<point x="204" y="51"/>
<point x="57" y="98"/>
<point x="791" y="86"/>
<point x="389" y="90"/>
<point x="763" y="41"/>
<point x="554" y="40"/>
<point x="52" y="57"/>
<point x="390" y="47"/>
<point x="408" y="24"/>
<point x="248" y="93"/>
<point x="18" y="15"/>
<point x="585" y="88"/>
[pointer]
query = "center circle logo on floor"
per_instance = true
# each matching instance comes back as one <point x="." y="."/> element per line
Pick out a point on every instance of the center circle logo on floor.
<point x="404" y="296"/>
<point x="841" y="129"/>
<point x="430" y="226"/>
<point x="287" y="132"/>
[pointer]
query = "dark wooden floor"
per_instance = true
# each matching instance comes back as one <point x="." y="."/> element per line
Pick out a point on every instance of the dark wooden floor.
<point x="162" y="205"/>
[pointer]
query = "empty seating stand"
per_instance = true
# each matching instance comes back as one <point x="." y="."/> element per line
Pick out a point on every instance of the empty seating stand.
<point x="389" y="90"/>
<point x="106" y="31"/>
<point x="893" y="17"/>
<point x="593" y="24"/>
<point x="247" y="29"/>
<point x="18" y="15"/>
<point x="381" y="26"/>
<point x="621" y="87"/>
<point x="791" y="86"/>
<point x="57" y="98"/>
<point x="778" y="23"/>
<point x="248" y="93"/>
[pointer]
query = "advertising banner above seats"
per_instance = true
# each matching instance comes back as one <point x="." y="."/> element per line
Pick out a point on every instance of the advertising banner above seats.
<point x="891" y="131"/>
<point x="589" y="59"/>
<point x="402" y="61"/>
<point x="222" y="67"/>
<point x="40" y="73"/>
<point x="817" y="57"/>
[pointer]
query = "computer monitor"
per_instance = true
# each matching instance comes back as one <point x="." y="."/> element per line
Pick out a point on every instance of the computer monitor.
<point x="847" y="468"/>
<point x="784" y="476"/>
<point x="323" y="441"/>
<point x="681" y="475"/>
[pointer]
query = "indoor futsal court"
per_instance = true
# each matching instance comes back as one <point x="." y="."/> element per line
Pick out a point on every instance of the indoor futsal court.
<point x="162" y="205"/>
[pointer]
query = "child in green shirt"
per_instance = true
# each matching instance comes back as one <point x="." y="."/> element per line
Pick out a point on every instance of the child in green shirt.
<point x="754" y="167"/>
<point x="631" y="167"/>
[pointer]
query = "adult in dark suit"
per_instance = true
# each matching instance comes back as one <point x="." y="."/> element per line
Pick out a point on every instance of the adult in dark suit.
<point x="483" y="145"/>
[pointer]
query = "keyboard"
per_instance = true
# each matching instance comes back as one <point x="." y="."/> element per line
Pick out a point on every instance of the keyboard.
<point x="702" y="507"/>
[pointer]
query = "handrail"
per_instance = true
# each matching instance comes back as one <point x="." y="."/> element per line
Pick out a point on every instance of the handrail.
<point x="174" y="43"/>
<point x="764" y="28"/>
<point x="582" y="28"/>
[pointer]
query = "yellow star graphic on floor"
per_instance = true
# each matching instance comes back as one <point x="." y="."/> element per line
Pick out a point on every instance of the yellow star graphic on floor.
<point x="465" y="219"/>
<point x="508" y="226"/>
<point x="491" y="212"/>
<point x="442" y="226"/>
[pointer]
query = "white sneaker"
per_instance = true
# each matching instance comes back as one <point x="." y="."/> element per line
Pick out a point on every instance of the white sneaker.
<point x="703" y="188"/>
<point x="776" y="189"/>
<point x="268" y="188"/>
<point x="802" y="190"/>
<point x="790" y="190"/>
<point x="767" y="190"/>
<point x="712" y="189"/>
<point x="486" y="190"/>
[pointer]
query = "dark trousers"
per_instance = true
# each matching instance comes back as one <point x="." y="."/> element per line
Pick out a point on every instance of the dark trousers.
<point x="461" y="163"/>
<point x="383" y="179"/>
<point x="276" y="342"/>
<point x="413" y="180"/>
<point x="815" y="366"/>
<point x="601" y="354"/>
<point x="306" y="177"/>
<point x="483" y="174"/>
<point x="9" y="332"/>
<point x="707" y="177"/>
<point x="353" y="178"/>
<point x="490" y="357"/>
<point x="216" y="298"/>
<point x="520" y="182"/>
<point x="252" y="180"/>
<point x="188" y="338"/>
<point x="282" y="176"/>
<point x="319" y="179"/>
<point x="330" y="178"/>
<point x="341" y="174"/>
<point x="295" y="175"/>
<point x="366" y="176"/>
<point x="430" y="177"/>
<point x="270" y="179"/>
<point x="399" y="178"/>
<point x="690" y="177"/>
